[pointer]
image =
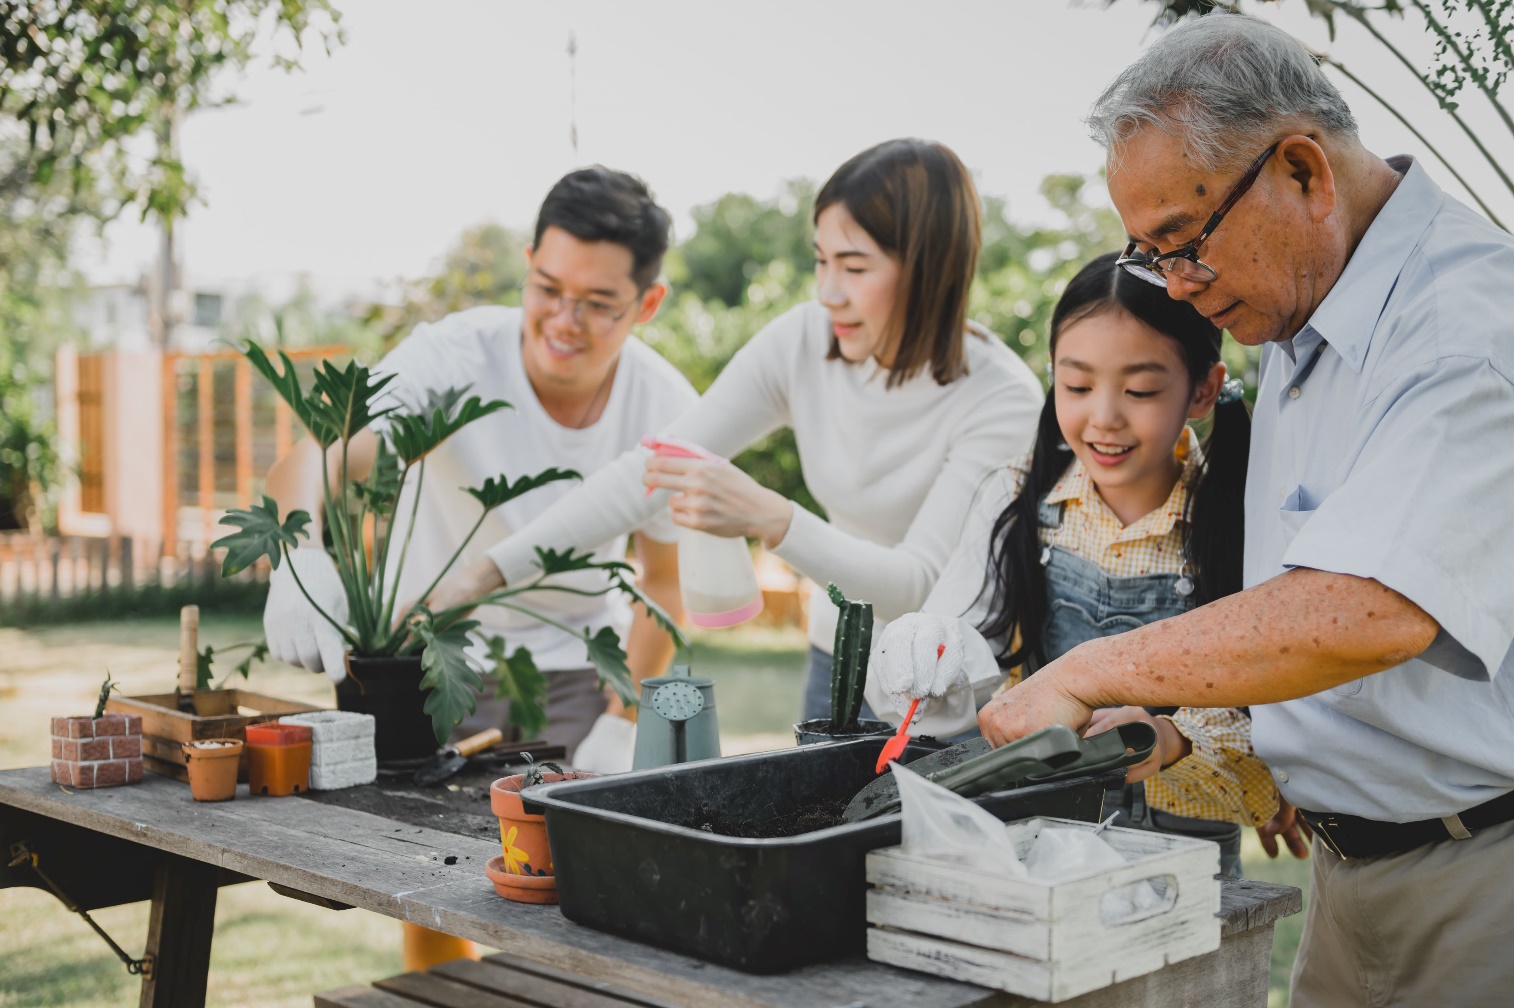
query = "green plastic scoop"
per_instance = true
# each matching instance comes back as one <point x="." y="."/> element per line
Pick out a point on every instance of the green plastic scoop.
<point x="972" y="768"/>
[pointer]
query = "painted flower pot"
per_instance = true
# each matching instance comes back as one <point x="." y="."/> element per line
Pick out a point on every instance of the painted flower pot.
<point x="213" y="767"/>
<point x="522" y="835"/>
<point x="519" y="887"/>
<point x="98" y="752"/>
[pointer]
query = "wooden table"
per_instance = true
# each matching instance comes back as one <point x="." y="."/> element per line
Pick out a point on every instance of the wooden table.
<point x="152" y="841"/>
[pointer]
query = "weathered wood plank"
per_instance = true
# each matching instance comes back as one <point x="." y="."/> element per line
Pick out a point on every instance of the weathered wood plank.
<point x="531" y="984"/>
<point x="364" y="997"/>
<point x="179" y="930"/>
<point x="400" y="871"/>
<point x="439" y="992"/>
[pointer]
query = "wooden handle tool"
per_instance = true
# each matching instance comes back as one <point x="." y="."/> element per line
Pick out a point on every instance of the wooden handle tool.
<point x="189" y="647"/>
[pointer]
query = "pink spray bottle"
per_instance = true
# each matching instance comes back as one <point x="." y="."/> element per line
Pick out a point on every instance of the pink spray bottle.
<point x="716" y="575"/>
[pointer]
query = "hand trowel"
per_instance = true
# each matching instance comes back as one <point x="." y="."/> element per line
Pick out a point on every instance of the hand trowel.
<point x="450" y="759"/>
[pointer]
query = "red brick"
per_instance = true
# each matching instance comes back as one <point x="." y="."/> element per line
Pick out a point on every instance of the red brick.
<point x="110" y="773"/>
<point x="61" y="772"/>
<point x="83" y="774"/>
<point x="94" y="749"/>
<point x="70" y="750"/>
<point x="133" y="771"/>
<point x="60" y="727"/>
<point x="126" y="747"/>
<point x="57" y="748"/>
<point x="80" y="728"/>
<point x="133" y="723"/>
<point x="110" y="724"/>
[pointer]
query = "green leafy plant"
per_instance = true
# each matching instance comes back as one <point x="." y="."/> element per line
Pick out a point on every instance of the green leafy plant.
<point x="344" y="400"/>
<point x="535" y="772"/>
<point x="106" y="688"/>
<point x="854" y="641"/>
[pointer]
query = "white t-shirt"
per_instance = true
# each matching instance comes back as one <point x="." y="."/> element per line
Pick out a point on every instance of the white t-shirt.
<point x="895" y="469"/>
<point x="481" y="347"/>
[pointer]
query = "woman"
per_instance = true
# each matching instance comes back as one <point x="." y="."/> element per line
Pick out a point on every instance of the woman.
<point x="1116" y="519"/>
<point x="898" y="404"/>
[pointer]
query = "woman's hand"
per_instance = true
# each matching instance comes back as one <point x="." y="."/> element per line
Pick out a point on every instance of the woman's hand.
<point x="1171" y="744"/>
<point x="718" y="498"/>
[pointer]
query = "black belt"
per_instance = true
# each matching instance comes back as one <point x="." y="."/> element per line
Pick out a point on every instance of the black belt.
<point x="1351" y="837"/>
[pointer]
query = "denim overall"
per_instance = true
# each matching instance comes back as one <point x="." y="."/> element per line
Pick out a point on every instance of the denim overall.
<point x="1082" y="603"/>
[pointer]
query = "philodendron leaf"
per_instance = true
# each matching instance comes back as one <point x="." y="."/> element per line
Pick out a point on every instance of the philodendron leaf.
<point x="261" y="535"/>
<point x="286" y="383"/>
<point x="518" y="680"/>
<point x="258" y="653"/>
<point x="446" y="413"/>
<point x="499" y="490"/>
<point x="610" y="659"/>
<point x="381" y="489"/>
<point x="202" y="667"/>
<point x="553" y="561"/>
<point x="658" y="614"/>
<point x="346" y="398"/>
<point x="451" y="676"/>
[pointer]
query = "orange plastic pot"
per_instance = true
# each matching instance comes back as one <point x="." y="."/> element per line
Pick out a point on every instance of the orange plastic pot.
<point x="521" y="888"/>
<point x="213" y="768"/>
<point x="523" y="837"/>
<point x="278" y="759"/>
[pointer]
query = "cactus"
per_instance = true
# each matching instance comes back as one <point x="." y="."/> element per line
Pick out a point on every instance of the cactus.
<point x="854" y="640"/>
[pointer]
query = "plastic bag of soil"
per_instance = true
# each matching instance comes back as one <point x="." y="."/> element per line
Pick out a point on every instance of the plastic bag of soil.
<point x="947" y="827"/>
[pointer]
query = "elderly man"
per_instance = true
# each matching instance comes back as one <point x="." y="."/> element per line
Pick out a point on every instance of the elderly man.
<point x="1373" y="639"/>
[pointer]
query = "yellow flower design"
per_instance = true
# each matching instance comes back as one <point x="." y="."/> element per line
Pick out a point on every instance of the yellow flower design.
<point x="514" y="856"/>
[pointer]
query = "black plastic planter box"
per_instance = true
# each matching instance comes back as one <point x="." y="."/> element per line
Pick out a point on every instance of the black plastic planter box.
<point x="624" y="865"/>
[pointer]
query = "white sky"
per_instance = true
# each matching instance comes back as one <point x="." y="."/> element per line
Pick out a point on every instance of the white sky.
<point x="440" y="115"/>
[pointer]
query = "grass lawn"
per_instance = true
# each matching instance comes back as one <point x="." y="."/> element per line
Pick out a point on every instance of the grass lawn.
<point x="273" y="952"/>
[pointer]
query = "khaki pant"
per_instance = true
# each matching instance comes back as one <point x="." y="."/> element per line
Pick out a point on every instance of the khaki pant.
<point x="1428" y="928"/>
<point x="574" y="701"/>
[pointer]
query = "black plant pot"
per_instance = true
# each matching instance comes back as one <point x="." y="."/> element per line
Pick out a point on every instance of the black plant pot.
<point x="823" y="730"/>
<point x="390" y="690"/>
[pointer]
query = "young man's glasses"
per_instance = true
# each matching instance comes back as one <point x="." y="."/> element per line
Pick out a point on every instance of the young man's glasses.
<point x="594" y="316"/>
<point x="1184" y="262"/>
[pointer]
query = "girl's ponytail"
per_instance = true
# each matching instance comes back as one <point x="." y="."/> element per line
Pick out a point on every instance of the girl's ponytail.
<point x="1014" y="581"/>
<point x="1216" y="515"/>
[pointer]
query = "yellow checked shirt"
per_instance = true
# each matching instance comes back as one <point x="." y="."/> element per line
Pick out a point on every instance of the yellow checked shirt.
<point x="1222" y="778"/>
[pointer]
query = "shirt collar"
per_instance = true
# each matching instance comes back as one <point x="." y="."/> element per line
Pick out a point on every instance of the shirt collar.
<point x="1348" y="316"/>
<point x="1075" y="485"/>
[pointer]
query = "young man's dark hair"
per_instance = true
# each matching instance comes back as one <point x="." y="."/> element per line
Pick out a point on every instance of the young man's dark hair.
<point x="601" y="204"/>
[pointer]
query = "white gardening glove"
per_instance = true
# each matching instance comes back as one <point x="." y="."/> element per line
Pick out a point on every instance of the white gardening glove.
<point x="918" y="655"/>
<point x="608" y="747"/>
<point x="295" y="632"/>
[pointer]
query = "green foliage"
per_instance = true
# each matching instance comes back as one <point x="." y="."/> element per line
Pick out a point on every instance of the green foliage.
<point x="415" y="435"/>
<point x="487" y="266"/>
<point x="261" y="535"/>
<point x="496" y="492"/>
<point x="83" y="79"/>
<point x="854" y="641"/>
<point x="451" y="678"/>
<point x="257" y="651"/>
<point x="518" y="680"/>
<point x="737" y="236"/>
<point x="610" y="659"/>
<point x="106" y="688"/>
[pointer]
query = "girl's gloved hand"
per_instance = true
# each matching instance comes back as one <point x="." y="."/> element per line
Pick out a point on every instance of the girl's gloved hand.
<point x="918" y="655"/>
<point x="609" y="746"/>
<point x="295" y="632"/>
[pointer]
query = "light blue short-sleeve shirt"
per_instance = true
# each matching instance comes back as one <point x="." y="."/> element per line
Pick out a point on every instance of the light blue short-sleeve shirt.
<point x="1383" y="447"/>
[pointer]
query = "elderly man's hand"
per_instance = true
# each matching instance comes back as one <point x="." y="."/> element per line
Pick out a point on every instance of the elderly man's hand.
<point x="1288" y="825"/>
<point x="1034" y="704"/>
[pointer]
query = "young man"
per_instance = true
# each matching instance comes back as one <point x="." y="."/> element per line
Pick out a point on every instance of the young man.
<point x="583" y="390"/>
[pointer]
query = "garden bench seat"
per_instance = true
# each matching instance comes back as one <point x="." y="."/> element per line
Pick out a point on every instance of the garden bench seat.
<point x="496" y="981"/>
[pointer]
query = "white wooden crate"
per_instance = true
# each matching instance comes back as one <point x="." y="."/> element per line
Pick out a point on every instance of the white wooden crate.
<point x="1044" y="940"/>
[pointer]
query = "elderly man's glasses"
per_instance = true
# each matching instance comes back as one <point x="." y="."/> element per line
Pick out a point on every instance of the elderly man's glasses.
<point x="593" y="315"/>
<point x="1184" y="262"/>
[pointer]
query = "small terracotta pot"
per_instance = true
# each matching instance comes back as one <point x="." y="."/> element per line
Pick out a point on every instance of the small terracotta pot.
<point x="523" y="837"/>
<point x="521" y="888"/>
<point x="213" y="770"/>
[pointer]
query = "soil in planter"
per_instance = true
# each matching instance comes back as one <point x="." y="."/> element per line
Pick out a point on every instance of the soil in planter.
<point x="766" y="823"/>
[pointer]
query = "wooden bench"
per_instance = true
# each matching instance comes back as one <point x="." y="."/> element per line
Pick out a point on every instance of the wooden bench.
<point x="498" y="981"/>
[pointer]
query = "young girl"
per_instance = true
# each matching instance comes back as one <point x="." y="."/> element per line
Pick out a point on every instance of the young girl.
<point x="1117" y="519"/>
<point x="899" y="406"/>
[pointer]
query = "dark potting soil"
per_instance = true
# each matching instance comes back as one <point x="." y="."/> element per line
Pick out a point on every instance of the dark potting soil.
<point x="459" y="805"/>
<point x="767" y="822"/>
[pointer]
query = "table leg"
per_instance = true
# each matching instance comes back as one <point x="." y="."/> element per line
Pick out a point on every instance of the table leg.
<point x="179" y="932"/>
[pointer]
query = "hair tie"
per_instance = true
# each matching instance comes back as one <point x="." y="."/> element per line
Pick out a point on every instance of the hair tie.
<point x="1231" y="391"/>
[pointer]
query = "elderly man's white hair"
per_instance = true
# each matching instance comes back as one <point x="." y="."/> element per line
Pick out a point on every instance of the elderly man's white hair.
<point x="1227" y="85"/>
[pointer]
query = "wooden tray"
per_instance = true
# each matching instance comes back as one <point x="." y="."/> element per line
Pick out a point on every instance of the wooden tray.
<point x="223" y="713"/>
<point x="1045" y="940"/>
